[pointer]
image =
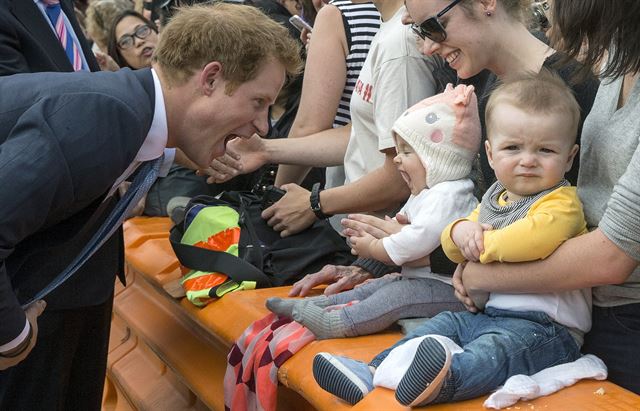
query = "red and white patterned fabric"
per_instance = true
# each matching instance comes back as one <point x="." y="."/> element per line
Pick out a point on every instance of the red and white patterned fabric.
<point x="251" y="379"/>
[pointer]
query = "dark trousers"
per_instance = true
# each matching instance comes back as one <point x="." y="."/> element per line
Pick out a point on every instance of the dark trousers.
<point x="66" y="369"/>
<point x="614" y="337"/>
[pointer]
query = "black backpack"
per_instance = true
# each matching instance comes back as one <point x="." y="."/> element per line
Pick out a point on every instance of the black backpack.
<point x="263" y="256"/>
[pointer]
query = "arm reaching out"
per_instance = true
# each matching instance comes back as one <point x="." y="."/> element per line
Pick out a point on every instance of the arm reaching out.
<point x="243" y="156"/>
<point x="322" y="149"/>
<point x="339" y="278"/>
<point x="355" y="224"/>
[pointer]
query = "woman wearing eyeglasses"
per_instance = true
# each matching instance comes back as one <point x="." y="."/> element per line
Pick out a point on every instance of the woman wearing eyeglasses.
<point x="132" y="40"/>
<point x="492" y="35"/>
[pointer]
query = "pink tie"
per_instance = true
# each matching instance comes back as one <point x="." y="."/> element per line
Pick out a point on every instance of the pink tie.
<point x="54" y="12"/>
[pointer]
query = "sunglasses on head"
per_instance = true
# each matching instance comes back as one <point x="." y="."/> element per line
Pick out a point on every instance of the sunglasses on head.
<point x="432" y="28"/>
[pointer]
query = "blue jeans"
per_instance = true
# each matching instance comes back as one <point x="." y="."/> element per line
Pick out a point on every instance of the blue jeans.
<point x="497" y="344"/>
<point x="614" y="338"/>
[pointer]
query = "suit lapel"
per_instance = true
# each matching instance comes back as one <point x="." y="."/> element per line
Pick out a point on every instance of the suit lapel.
<point x="34" y="21"/>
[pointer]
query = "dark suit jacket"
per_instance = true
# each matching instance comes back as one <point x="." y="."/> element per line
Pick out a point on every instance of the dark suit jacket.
<point x="27" y="43"/>
<point x="64" y="140"/>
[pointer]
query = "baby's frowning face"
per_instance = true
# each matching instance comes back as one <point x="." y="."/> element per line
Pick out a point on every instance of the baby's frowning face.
<point x="529" y="152"/>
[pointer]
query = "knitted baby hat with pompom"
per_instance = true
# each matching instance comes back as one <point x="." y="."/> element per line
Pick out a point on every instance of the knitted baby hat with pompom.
<point x="444" y="131"/>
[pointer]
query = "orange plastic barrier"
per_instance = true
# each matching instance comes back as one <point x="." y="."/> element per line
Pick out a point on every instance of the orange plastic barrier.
<point x="167" y="354"/>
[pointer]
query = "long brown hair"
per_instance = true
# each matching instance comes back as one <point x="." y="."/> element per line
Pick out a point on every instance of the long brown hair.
<point x="592" y="30"/>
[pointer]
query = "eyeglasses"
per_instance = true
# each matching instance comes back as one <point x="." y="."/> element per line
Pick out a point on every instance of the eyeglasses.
<point x="126" y="41"/>
<point x="432" y="28"/>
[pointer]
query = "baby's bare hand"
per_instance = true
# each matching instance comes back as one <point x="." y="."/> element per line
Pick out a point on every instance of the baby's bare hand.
<point x="469" y="237"/>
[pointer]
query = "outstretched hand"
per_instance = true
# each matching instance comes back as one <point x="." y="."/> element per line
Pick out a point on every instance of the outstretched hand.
<point x="106" y="62"/>
<point x="339" y="278"/>
<point x="32" y="312"/>
<point x="243" y="156"/>
<point x="360" y="244"/>
<point x="292" y="213"/>
<point x="357" y="224"/>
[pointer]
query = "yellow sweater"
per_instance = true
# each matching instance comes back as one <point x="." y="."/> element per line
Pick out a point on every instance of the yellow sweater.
<point x="549" y="222"/>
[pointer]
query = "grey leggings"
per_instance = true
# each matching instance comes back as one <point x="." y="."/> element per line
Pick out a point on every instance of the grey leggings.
<point x="386" y="300"/>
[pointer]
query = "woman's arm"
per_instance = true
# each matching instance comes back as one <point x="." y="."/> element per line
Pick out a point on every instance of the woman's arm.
<point x="325" y="75"/>
<point x="292" y="213"/>
<point x="589" y="260"/>
<point x="243" y="156"/>
<point x="366" y="194"/>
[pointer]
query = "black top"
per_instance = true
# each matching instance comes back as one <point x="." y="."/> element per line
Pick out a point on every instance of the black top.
<point x="277" y="12"/>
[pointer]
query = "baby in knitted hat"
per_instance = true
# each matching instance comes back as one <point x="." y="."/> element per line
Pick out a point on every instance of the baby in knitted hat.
<point x="437" y="140"/>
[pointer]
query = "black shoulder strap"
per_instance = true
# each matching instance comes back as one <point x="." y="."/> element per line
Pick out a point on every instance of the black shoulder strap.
<point x="203" y="259"/>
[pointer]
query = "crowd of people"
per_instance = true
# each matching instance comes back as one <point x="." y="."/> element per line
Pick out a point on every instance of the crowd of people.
<point x="481" y="163"/>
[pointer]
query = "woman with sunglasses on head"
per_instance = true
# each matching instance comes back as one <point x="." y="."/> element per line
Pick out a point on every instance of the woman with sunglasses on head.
<point x="474" y="36"/>
<point x="607" y="257"/>
<point x="132" y="40"/>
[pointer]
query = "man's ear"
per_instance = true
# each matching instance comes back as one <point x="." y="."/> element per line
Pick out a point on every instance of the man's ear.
<point x="487" y="148"/>
<point x="210" y="77"/>
<point x="572" y="155"/>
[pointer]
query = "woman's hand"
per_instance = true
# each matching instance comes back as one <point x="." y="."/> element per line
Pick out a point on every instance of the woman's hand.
<point x="459" y="290"/>
<point x="305" y="38"/>
<point x="356" y="224"/>
<point x="292" y="213"/>
<point x="242" y="157"/>
<point x="105" y="62"/>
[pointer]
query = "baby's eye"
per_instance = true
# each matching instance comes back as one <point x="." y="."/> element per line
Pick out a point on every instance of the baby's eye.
<point x="547" y="150"/>
<point x="511" y="148"/>
<point x="431" y="118"/>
